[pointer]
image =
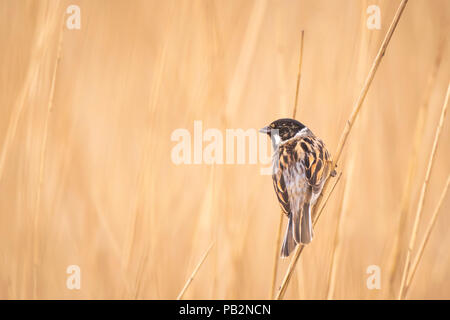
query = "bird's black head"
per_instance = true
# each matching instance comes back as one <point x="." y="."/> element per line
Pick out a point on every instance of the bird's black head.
<point x="282" y="129"/>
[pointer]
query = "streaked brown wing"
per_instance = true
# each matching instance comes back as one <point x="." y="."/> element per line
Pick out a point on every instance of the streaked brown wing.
<point x="288" y="165"/>
<point x="304" y="153"/>
<point x="280" y="188"/>
<point x="291" y="171"/>
<point x="311" y="152"/>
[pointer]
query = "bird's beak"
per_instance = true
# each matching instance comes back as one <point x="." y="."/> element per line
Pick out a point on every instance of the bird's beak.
<point x="265" y="130"/>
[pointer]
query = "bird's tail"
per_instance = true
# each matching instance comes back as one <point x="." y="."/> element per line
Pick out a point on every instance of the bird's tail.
<point x="302" y="224"/>
<point x="289" y="242"/>
<point x="307" y="233"/>
<point x="299" y="230"/>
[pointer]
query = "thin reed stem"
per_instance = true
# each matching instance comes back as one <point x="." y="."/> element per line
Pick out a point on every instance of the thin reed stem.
<point x="326" y="200"/>
<point x="191" y="278"/>
<point x="426" y="237"/>
<point x="412" y="169"/>
<point x="276" y="255"/>
<point x="280" y="223"/>
<point x="368" y="81"/>
<point x="42" y="155"/>
<point x="335" y="253"/>
<point x="347" y="130"/>
<point x="299" y="74"/>
<point x="337" y="239"/>
<point x="422" y="196"/>
<point x="300" y="247"/>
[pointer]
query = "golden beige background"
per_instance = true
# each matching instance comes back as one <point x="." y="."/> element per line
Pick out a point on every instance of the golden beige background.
<point x="86" y="176"/>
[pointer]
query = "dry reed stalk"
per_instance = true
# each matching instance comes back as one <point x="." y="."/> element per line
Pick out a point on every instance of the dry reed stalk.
<point x="368" y="81"/>
<point x="276" y="256"/>
<point x="337" y="239"/>
<point x="299" y="74"/>
<point x="280" y="223"/>
<point x="30" y="80"/>
<point x="205" y="219"/>
<point x="347" y="130"/>
<point x="335" y="254"/>
<point x="426" y="237"/>
<point x="42" y="162"/>
<point x="247" y="53"/>
<point x="300" y="247"/>
<point x="412" y="168"/>
<point x="145" y="165"/>
<point x="326" y="199"/>
<point x="189" y="281"/>
<point x="422" y="196"/>
<point x="139" y="275"/>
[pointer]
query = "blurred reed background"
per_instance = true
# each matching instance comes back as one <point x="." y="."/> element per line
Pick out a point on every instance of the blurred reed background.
<point x="86" y="176"/>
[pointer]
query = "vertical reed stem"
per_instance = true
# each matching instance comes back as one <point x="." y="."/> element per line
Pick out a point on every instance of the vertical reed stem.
<point x="280" y="223"/>
<point x="422" y="196"/>
<point x="347" y="130"/>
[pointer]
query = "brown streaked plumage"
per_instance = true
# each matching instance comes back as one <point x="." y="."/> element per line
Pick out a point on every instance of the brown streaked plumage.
<point x="301" y="165"/>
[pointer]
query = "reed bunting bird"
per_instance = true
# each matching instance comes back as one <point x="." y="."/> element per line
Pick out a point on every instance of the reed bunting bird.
<point x="301" y="165"/>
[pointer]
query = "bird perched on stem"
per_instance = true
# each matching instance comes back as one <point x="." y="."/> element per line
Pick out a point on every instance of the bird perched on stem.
<point x="301" y="165"/>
